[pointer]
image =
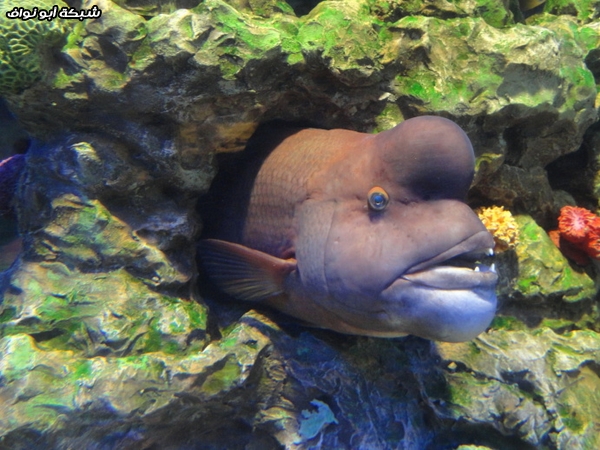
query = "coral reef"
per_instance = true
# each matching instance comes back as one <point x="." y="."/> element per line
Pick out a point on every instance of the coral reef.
<point x="25" y="44"/>
<point x="502" y="225"/>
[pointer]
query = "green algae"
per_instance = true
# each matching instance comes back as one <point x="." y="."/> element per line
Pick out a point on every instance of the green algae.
<point x="228" y="342"/>
<point x="556" y="324"/>
<point x="578" y="406"/>
<point x="494" y="12"/>
<point x="251" y="37"/>
<point x="62" y="80"/>
<point x="268" y="8"/>
<point x="7" y="314"/>
<point x="485" y="164"/>
<point x="464" y="389"/>
<point x="507" y="323"/>
<point x="120" y="315"/>
<point x="59" y="381"/>
<point x="388" y="118"/>
<point x="111" y="80"/>
<point x="326" y="31"/>
<point x="483" y="80"/>
<point x="584" y="10"/>
<point x="557" y="372"/>
<point x="578" y="38"/>
<point x="223" y="379"/>
<point x="75" y="36"/>
<point x="582" y="87"/>
<point x="88" y="234"/>
<point x="241" y="37"/>
<point x="543" y="270"/>
<point x="142" y="57"/>
<point x="467" y="78"/>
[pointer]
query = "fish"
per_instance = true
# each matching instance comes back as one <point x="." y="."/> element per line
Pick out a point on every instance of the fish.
<point x="363" y="234"/>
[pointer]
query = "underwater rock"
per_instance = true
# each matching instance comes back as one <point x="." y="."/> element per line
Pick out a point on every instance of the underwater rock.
<point x="539" y="387"/>
<point x="585" y="12"/>
<point x="521" y="190"/>
<point x="109" y="306"/>
<point x="543" y="272"/>
<point x="105" y="339"/>
<point x="495" y="12"/>
<point x="13" y="139"/>
<point x="101" y="398"/>
<point x="10" y="170"/>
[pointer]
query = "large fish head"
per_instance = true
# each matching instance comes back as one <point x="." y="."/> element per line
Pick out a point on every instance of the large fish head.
<point x="399" y="250"/>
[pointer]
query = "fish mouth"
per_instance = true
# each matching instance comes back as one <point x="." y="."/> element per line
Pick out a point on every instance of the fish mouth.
<point x="450" y="297"/>
<point x="467" y="265"/>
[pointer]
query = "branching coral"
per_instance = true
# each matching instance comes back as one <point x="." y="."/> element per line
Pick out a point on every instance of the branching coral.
<point x="502" y="225"/>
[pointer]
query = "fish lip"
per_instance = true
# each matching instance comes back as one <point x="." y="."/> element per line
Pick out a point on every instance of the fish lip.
<point x="479" y="243"/>
<point x="450" y="310"/>
<point x="454" y="278"/>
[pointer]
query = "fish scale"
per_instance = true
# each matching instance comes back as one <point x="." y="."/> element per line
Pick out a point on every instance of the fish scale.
<point x="280" y="186"/>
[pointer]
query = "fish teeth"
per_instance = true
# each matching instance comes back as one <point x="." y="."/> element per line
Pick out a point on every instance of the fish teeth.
<point x="490" y="252"/>
<point x="491" y="268"/>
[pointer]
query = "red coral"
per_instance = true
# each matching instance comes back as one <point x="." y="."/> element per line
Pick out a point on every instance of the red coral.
<point x="574" y="223"/>
<point x="579" y="231"/>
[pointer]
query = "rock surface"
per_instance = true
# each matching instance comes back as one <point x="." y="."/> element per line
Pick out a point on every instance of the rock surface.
<point x="105" y="340"/>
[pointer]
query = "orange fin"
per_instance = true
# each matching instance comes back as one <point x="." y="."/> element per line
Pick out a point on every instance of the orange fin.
<point x="243" y="272"/>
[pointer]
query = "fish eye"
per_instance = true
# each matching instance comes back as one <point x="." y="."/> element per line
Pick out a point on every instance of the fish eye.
<point x="378" y="199"/>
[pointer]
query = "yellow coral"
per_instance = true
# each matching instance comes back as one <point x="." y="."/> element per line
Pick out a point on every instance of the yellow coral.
<point x="502" y="225"/>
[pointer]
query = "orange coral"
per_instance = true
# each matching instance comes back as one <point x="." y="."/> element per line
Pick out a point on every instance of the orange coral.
<point x="502" y="225"/>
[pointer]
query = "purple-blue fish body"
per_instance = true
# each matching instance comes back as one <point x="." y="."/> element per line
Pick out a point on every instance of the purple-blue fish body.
<point x="362" y="234"/>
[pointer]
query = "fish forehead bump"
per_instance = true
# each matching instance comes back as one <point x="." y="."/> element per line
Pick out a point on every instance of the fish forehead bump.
<point x="430" y="136"/>
<point x="424" y="149"/>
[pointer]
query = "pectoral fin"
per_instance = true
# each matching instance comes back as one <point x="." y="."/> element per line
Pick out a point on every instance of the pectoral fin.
<point x="243" y="272"/>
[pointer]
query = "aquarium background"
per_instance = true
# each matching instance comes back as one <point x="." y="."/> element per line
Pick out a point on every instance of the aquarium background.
<point x="109" y="340"/>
